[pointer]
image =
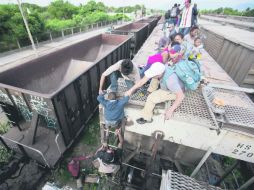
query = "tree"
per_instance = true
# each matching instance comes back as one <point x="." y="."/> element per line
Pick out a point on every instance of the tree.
<point x="57" y="25"/>
<point x="101" y="7"/>
<point x="90" y="7"/>
<point x="60" y="9"/>
<point x="36" y="25"/>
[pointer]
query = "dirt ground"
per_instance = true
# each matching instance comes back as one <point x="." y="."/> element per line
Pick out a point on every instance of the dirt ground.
<point x="87" y="144"/>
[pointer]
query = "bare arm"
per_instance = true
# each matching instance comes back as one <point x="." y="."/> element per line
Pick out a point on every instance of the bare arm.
<point x="102" y="80"/>
<point x="109" y="71"/>
<point x="120" y="144"/>
<point x="164" y="56"/>
<point x="99" y="149"/>
<point x="177" y="102"/>
<point x="139" y="84"/>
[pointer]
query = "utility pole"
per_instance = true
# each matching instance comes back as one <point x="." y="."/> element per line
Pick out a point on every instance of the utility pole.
<point x="26" y="25"/>
<point x="123" y="13"/>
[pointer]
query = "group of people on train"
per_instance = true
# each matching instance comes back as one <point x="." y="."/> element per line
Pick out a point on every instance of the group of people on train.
<point x="169" y="73"/>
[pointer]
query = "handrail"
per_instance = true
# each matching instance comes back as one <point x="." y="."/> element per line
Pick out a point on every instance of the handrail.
<point x="39" y="152"/>
<point x="56" y="141"/>
<point x="62" y="35"/>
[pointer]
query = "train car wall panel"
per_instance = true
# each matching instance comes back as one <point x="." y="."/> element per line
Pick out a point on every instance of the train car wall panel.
<point x="61" y="87"/>
<point x="249" y="80"/>
<point x="231" y="56"/>
<point x="213" y="43"/>
<point x="188" y="134"/>
<point x="138" y="31"/>
<point x="243" y="53"/>
<point x="236" y="59"/>
<point x="152" y="22"/>
<point x="177" y="152"/>
<point x="249" y="61"/>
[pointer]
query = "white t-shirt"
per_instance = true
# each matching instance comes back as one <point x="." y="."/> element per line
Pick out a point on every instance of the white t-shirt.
<point x="186" y="17"/>
<point x="133" y="76"/>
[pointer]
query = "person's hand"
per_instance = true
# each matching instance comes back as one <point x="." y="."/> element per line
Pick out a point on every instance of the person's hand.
<point x="168" y="114"/>
<point x="101" y="91"/>
<point x="104" y="145"/>
<point x="127" y="93"/>
<point x="117" y="131"/>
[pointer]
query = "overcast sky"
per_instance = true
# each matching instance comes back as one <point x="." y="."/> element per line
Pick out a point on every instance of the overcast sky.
<point x="156" y="4"/>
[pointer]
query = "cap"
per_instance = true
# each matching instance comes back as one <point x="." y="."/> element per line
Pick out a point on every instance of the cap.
<point x="156" y="69"/>
<point x="175" y="49"/>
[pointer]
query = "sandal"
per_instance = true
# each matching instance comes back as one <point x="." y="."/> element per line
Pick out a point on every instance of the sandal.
<point x="143" y="121"/>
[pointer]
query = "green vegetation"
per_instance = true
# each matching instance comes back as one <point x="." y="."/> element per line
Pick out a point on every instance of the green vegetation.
<point x="4" y="127"/>
<point x="229" y="11"/>
<point x="91" y="136"/>
<point x="230" y="180"/>
<point x="60" y="14"/>
<point x="86" y="145"/>
<point x="129" y="9"/>
<point x="4" y="155"/>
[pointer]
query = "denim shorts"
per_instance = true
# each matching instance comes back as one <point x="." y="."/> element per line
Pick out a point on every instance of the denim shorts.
<point x="112" y="124"/>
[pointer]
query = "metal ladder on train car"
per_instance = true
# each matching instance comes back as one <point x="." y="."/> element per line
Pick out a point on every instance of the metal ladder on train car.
<point x="108" y="135"/>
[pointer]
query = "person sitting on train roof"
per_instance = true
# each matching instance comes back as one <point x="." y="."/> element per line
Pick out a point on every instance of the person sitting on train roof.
<point x="123" y="68"/>
<point x="186" y="47"/>
<point x="108" y="158"/>
<point x="171" y="88"/>
<point x="113" y="108"/>
<point x="156" y="70"/>
<point x="192" y="35"/>
<point x="167" y="37"/>
<point x="161" y="57"/>
<point x="197" y="50"/>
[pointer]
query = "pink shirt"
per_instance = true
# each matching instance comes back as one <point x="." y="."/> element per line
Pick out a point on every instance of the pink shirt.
<point x="156" y="58"/>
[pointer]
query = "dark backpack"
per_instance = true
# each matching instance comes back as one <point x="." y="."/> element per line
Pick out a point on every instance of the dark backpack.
<point x="195" y="11"/>
<point x="167" y="14"/>
<point x="173" y="12"/>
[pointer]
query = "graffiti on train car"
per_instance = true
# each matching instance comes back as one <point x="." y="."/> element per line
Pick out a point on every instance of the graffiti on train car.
<point x="41" y="106"/>
<point x="38" y="104"/>
<point x="4" y="97"/>
<point x="21" y="104"/>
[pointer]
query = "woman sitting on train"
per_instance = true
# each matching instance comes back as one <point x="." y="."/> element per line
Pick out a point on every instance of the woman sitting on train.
<point x="185" y="46"/>
<point x="161" y="57"/>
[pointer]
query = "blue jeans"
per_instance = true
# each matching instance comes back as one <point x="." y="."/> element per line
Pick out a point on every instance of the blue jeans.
<point x="143" y="70"/>
<point x="173" y="20"/>
<point x="164" y="23"/>
<point x="113" y="80"/>
<point x="185" y="31"/>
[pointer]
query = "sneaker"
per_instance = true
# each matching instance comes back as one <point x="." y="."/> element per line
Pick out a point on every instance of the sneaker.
<point x="143" y="121"/>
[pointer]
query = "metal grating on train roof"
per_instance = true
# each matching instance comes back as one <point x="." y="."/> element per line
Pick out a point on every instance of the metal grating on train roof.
<point x="238" y="109"/>
<point x="192" y="110"/>
<point x="177" y="181"/>
<point x="138" y="98"/>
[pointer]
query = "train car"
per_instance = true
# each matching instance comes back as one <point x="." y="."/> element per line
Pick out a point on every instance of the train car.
<point x="49" y="100"/>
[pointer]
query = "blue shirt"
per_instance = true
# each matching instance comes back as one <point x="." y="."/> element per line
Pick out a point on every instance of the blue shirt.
<point x="113" y="109"/>
<point x="171" y="81"/>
